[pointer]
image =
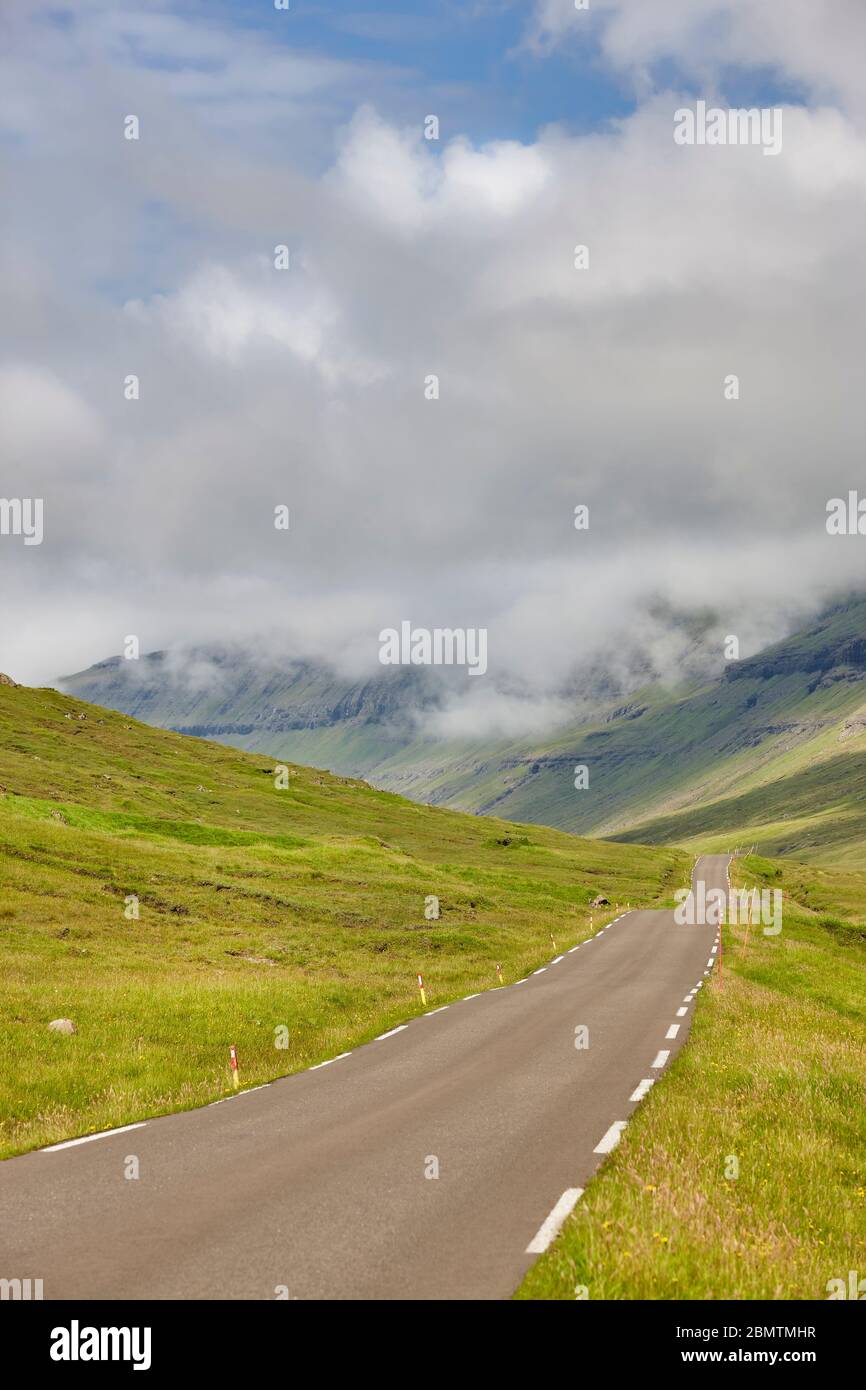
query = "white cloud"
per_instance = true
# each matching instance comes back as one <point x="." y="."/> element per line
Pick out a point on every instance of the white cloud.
<point x="306" y="387"/>
<point x="816" y="45"/>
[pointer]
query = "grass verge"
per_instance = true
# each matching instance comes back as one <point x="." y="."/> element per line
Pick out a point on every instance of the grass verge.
<point x="770" y="1087"/>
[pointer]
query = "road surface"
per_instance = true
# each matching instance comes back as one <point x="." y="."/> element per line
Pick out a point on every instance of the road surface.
<point x="321" y="1185"/>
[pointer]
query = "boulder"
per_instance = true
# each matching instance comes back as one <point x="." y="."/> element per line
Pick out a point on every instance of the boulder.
<point x="7" y="680"/>
<point x="62" y="1025"/>
<point x="600" y="901"/>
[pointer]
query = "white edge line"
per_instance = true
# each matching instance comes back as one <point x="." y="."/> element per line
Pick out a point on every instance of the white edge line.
<point x="541" y="971"/>
<point x="389" y="1034"/>
<point x="88" y="1138"/>
<point x="642" y="1089"/>
<point x="611" y="1138"/>
<point x="431" y="1012"/>
<point x="550" y="1228"/>
<point x="673" y="1030"/>
<point x="661" y="1058"/>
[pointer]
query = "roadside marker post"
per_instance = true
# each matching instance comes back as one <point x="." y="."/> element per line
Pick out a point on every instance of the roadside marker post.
<point x="748" y="926"/>
<point x="499" y="973"/>
<point x="423" y="991"/>
<point x="233" y="1061"/>
<point x="552" y="941"/>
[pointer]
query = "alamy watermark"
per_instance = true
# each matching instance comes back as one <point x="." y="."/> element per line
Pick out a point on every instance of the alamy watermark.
<point x="846" y="516"/>
<point x="22" y="516"/>
<point x="716" y="125"/>
<point x="441" y="646"/>
<point x="713" y="907"/>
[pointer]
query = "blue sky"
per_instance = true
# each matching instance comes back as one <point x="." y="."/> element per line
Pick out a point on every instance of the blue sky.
<point x="498" y="86"/>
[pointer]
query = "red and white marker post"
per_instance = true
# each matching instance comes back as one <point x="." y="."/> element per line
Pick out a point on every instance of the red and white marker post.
<point x="233" y="1062"/>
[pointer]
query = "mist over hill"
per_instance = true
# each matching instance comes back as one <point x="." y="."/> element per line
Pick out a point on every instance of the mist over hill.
<point x="650" y="752"/>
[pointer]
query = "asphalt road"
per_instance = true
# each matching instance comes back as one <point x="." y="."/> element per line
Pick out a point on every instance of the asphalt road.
<point x="317" y="1185"/>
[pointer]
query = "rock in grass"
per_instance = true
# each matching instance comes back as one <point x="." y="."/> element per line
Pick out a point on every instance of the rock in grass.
<point x="62" y="1025"/>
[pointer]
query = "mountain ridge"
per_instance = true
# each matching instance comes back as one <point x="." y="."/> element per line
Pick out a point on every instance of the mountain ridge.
<point x="650" y="754"/>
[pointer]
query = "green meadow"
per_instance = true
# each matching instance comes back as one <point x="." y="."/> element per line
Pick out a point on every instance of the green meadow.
<point x="265" y="915"/>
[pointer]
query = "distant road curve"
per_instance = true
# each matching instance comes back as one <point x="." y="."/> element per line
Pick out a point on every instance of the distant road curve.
<point x="316" y="1185"/>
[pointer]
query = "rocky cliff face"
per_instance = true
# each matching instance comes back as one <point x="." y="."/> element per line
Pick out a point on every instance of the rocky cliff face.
<point x="224" y="693"/>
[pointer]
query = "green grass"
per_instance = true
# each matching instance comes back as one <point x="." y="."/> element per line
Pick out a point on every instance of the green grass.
<point x="260" y="910"/>
<point x="773" y="1075"/>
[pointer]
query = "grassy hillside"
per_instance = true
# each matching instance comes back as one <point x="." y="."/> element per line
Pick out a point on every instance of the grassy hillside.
<point x="776" y="747"/>
<point x="260" y="909"/>
<point x="775" y="751"/>
<point x="772" y="1077"/>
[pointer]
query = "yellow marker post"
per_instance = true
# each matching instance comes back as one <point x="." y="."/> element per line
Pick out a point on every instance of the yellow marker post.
<point x="748" y="926"/>
<point x="233" y="1059"/>
<point x="423" y="991"/>
<point x="552" y="941"/>
<point x="499" y="973"/>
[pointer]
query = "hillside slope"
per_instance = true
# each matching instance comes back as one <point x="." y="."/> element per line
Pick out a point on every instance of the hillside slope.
<point x="288" y="922"/>
<point x="775" y="747"/>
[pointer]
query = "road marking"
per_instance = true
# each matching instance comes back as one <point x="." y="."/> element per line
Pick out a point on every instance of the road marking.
<point x="610" y="1140"/>
<point x="523" y="981"/>
<point x="550" y="1228"/>
<point x="642" y="1089"/>
<point x="88" y="1138"/>
<point x="673" y="1030"/>
<point x="573" y="949"/>
<point x="391" y="1032"/>
<point x="710" y="963"/>
<point x="558" y="959"/>
<point x="442" y="1008"/>
<point x="465" y="997"/>
<point x="661" y="1058"/>
<point x="681" y="1013"/>
<point x="541" y="971"/>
